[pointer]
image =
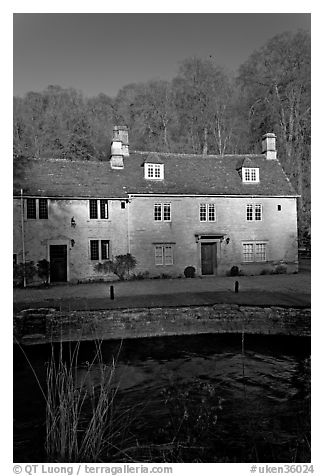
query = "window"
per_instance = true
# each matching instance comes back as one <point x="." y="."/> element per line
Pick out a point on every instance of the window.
<point x="163" y="255"/>
<point x="94" y="249"/>
<point x="31" y="207"/>
<point x="162" y="212"/>
<point x="250" y="174"/>
<point x="257" y="212"/>
<point x="154" y="171"/>
<point x="42" y="208"/>
<point x="207" y="212"/>
<point x="279" y="208"/>
<point x="123" y="205"/>
<point x="104" y="249"/>
<point x="253" y="212"/>
<point x="254" y="252"/>
<point x="104" y="209"/>
<point x="15" y="261"/>
<point x="102" y="246"/>
<point x="93" y="209"/>
<point x="249" y="212"/>
<point x="248" y="254"/>
<point x="260" y="252"/>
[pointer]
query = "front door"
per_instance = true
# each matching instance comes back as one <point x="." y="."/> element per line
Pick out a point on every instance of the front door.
<point x="58" y="263"/>
<point x="208" y="258"/>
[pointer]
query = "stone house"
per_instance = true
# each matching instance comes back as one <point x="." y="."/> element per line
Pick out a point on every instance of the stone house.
<point x="168" y="210"/>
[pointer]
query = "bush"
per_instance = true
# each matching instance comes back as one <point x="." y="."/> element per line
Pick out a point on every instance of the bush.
<point x="139" y="276"/>
<point x="189" y="272"/>
<point x="120" y="265"/>
<point x="265" y="271"/>
<point x="24" y="270"/>
<point x="234" y="271"/>
<point x="280" y="269"/>
<point x="43" y="270"/>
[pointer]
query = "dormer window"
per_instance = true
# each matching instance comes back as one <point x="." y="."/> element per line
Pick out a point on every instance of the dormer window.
<point x="154" y="171"/>
<point x="250" y="174"/>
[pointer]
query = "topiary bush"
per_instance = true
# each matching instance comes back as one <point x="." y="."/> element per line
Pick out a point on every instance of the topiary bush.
<point x="189" y="272"/>
<point x="234" y="271"/>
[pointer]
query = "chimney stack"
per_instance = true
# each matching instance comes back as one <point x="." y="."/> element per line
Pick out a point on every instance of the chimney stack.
<point x="269" y="146"/>
<point x="119" y="147"/>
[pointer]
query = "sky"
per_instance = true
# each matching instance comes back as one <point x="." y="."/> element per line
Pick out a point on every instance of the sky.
<point x="102" y="52"/>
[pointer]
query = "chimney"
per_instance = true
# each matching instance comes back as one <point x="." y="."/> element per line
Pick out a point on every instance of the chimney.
<point x="269" y="146"/>
<point x="119" y="147"/>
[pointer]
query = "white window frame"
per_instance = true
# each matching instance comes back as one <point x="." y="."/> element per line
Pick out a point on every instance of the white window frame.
<point x="250" y="175"/>
<point x="100" y="245"/>
<point x="163" y="254"/>
<point x="165" y="211"/>
<point x="154" y="171"/>
<point x="207" y="210"/>
<point x="255" y="255"/>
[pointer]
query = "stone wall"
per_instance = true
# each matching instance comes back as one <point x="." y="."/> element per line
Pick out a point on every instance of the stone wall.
<point x="46" y="325"/>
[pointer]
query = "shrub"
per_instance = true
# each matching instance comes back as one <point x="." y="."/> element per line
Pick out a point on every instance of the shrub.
<point x="234" y="271"/>
<point x="280" y="269"/>
<point x="265" y="271"/>
<point x="24" y="270"/>
<point x="119" y="265"/>
<point x="166" y="276"/>
<point x="189" y="272"/>
<point x="139" y="276"/>
<point x="43" y="270"/>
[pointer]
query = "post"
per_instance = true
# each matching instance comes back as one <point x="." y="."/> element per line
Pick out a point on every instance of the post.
<point x="236" y="286"/>
<point x="112" y="294"/>
<point x="23" y="233"/>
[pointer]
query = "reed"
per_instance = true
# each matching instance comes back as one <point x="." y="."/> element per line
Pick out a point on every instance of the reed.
<point x="79" y="413"/>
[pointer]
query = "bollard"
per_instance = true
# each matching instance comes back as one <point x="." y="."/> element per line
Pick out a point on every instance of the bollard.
<point x="112" y="294"/>
<point x="236" y="286"/>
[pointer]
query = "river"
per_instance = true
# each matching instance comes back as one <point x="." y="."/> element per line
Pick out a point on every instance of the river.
<point x="203" y="398"/>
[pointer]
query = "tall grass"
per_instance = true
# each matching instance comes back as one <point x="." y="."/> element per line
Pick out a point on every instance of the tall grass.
<point x="79" y="413"/>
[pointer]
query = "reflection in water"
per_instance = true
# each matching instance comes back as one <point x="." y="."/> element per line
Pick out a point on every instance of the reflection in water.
<point x="190" y="396"/>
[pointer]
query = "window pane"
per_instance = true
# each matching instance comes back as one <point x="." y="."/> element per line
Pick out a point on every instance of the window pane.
<point x="43" y="212"/>
<point x="150" y="170"/>
<point x="167" y="212"/>
<point x="93" y="209"/>
<point x="157" y="171"/>
<point x="247" y="175"/>
<point x="260" y="252"/>
<point x="31" y="207"/>
<point x="253" y="175"/>
<point x="157" y="212"/>
<point x="168" y="254"/>
<point x="203" y="212"/>
<point x="247" y="252"/>
<point x="258" y="212"/>
<point x="249" y="212"/>
<point x="105" y="249"/>
<point x="94" y="249"/>
<point x="211" y="212"/>
<point x="159" y="255"/>
<point x="103" y="209"/>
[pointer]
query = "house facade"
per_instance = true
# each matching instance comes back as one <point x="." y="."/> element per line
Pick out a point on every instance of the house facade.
<point x="168" y="210"/>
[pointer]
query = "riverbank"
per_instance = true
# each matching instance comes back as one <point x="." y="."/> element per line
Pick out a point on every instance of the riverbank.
<point x="38" y="326"/>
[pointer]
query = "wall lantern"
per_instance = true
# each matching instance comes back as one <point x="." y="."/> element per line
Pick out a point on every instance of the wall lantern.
<point x="227" y="240"/>
<point x="72" y="243"/>
<point x="73" y="222"/>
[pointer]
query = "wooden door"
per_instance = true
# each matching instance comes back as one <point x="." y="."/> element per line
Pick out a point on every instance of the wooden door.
<point x="208" y="258"/>
<point x="58" y="263"/>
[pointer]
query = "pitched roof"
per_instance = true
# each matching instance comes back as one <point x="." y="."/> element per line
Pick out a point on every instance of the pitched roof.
<point x="183" y="174"/>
